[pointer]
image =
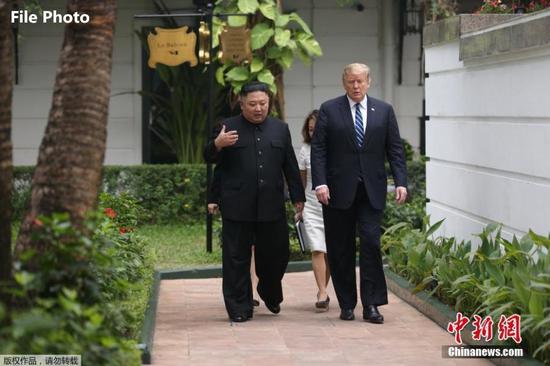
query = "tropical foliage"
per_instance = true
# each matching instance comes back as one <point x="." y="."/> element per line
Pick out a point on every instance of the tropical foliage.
<point x="179" y="108"/>
<point x="499" y="276"/>
<point x="85" y="295"/>
<point x="276" y="39"/>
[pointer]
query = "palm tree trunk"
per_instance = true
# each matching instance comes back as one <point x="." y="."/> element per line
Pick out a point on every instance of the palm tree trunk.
<point x="68" y="172"/>
<point x="6" y="164"/>
<point x="279" y="102"/>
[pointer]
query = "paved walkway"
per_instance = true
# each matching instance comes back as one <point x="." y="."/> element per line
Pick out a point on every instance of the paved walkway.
<point x="192" y="328"/>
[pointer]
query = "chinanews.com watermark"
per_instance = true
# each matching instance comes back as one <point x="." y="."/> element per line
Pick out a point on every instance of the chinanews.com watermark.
<point x="481" y="352"/>
<point x="508" y="328"/>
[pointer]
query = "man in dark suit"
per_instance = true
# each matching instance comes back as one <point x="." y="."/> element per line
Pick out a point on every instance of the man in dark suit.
<point x="253" y="152"/>
<point x="353" y="136"/>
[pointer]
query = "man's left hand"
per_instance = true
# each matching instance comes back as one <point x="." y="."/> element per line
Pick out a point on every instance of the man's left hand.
<point x="298" y="207"/>
<point x="400" y="194"/>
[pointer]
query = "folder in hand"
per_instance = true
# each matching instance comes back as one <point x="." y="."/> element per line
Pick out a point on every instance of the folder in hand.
<point x="301" y="231"/>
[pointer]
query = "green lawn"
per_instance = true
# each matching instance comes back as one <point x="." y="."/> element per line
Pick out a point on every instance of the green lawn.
<point x="179" y="246"/>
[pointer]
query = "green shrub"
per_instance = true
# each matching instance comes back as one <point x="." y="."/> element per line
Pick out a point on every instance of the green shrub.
<point x="169" y="193"/>
<point x="79" y="296"/>
<point x="414" y="209"/>
<point x="132" y="262"/>
<point x="177" y="193"/>
<point x="166" y="193"/>
<point x="125" y="210"/>
<point x="499" y="277"/>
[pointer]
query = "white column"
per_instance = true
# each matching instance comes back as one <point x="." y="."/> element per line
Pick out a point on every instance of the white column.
<point x="388" y="49"/>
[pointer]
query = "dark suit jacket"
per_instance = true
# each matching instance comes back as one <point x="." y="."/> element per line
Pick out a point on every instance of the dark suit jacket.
<point x="251" y="171"/>
<point x="213" y="194"/>
<point x="338" y="162"/>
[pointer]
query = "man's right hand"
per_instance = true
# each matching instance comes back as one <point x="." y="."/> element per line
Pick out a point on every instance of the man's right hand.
<point x="225" y="139"/>
<point x="213" y="208"/>
<point x="323" y="194"/>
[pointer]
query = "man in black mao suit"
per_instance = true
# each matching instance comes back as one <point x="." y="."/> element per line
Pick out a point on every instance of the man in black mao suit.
<point x="253" y="152"/>
<point x="353" y="136"/>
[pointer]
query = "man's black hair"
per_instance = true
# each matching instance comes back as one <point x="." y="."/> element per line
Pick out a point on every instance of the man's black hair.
<point x="254" y="86"/>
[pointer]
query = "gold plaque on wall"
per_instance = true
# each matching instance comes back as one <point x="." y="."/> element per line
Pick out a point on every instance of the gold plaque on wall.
<point x="172" y="47"/>
<point x="235" y="42"/>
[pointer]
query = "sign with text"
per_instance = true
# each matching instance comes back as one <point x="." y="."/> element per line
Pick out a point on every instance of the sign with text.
<point x="235" y="42"/>
<point x="172" y="47"/>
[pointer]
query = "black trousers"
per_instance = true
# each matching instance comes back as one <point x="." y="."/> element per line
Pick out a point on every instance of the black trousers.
<point x="270" y="240"/>
<point x="341" y="227"/>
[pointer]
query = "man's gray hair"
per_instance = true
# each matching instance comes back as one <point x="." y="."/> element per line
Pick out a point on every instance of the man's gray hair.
<point x="356" y="68"/>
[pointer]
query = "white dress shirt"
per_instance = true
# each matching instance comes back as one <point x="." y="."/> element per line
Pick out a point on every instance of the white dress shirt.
<point x="363" y="110"/>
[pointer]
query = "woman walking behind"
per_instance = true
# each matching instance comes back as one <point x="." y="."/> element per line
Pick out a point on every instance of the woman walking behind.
<point x="313" y="218"/>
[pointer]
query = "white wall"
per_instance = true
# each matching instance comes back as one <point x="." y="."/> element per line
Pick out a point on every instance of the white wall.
<point x="488" y="139"/>
<point x="345" y="35"/>
<point x="39" y="48"/>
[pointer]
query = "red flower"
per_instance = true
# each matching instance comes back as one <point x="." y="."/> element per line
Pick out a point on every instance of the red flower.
<point x="124" y="230"/>
<point x="109" y="212"/>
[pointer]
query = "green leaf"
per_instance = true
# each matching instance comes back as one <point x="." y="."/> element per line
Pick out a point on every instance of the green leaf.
<point x="220" y="78"/>
<point x="269" y="10"/>
<point x="282" y="36"/>
<point x="303" y="56"/>
<point x="108" y="342"/>
<point x="256" y="65"/>
<point x="236" y="21"/>
<point x="217" y="27"/>
<point x="495" y="273"/>
<point x="273" y="88"/>
<point x="24" y="278"/>
<point x="265" y="76"/>
<point x="248" y="6"/>
<point x="539" y="240"/>
<point x="311" y="46"/>
<point x="292" y="44"/>
<point x="296" y="18"/>
<point x="286" y="59"/>
<point x="434" y="228"/>
<point x="540" y="286"/>
<point x="520" y="288"/>
<point x="536" y="304"/>
<point x="237" y="86"/>
<point x="239" y="73"/>
<point x="260" y="35"/>
<point x="282" y="20"/>
<point x="273" y="52"/>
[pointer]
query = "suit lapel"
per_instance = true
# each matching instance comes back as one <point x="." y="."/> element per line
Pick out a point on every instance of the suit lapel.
<point x="347" y="119"/>
<point x="372" y="119"/>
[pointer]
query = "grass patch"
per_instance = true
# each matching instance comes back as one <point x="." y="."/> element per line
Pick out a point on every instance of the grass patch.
<point x="178" y="246"/>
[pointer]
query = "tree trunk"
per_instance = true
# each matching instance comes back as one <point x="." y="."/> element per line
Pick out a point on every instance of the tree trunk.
<point x="6" y="167"/>
<point x="70" y="160"/>
<point x="279" y="82"/>
<point x="279" y="102"/>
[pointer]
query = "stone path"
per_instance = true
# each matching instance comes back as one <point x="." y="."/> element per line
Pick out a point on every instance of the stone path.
<point x="192" y="328"/>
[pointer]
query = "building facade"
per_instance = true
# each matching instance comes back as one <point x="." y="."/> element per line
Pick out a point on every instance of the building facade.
<point x="369" y="34"/>
<point x="488" y="134"/>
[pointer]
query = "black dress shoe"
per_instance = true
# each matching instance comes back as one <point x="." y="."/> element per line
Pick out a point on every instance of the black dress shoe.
<point x="347" y="314"/>
<point x="239" y="318"/>
<point x="275" y="309"/>
<point x="371" y="314"/>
